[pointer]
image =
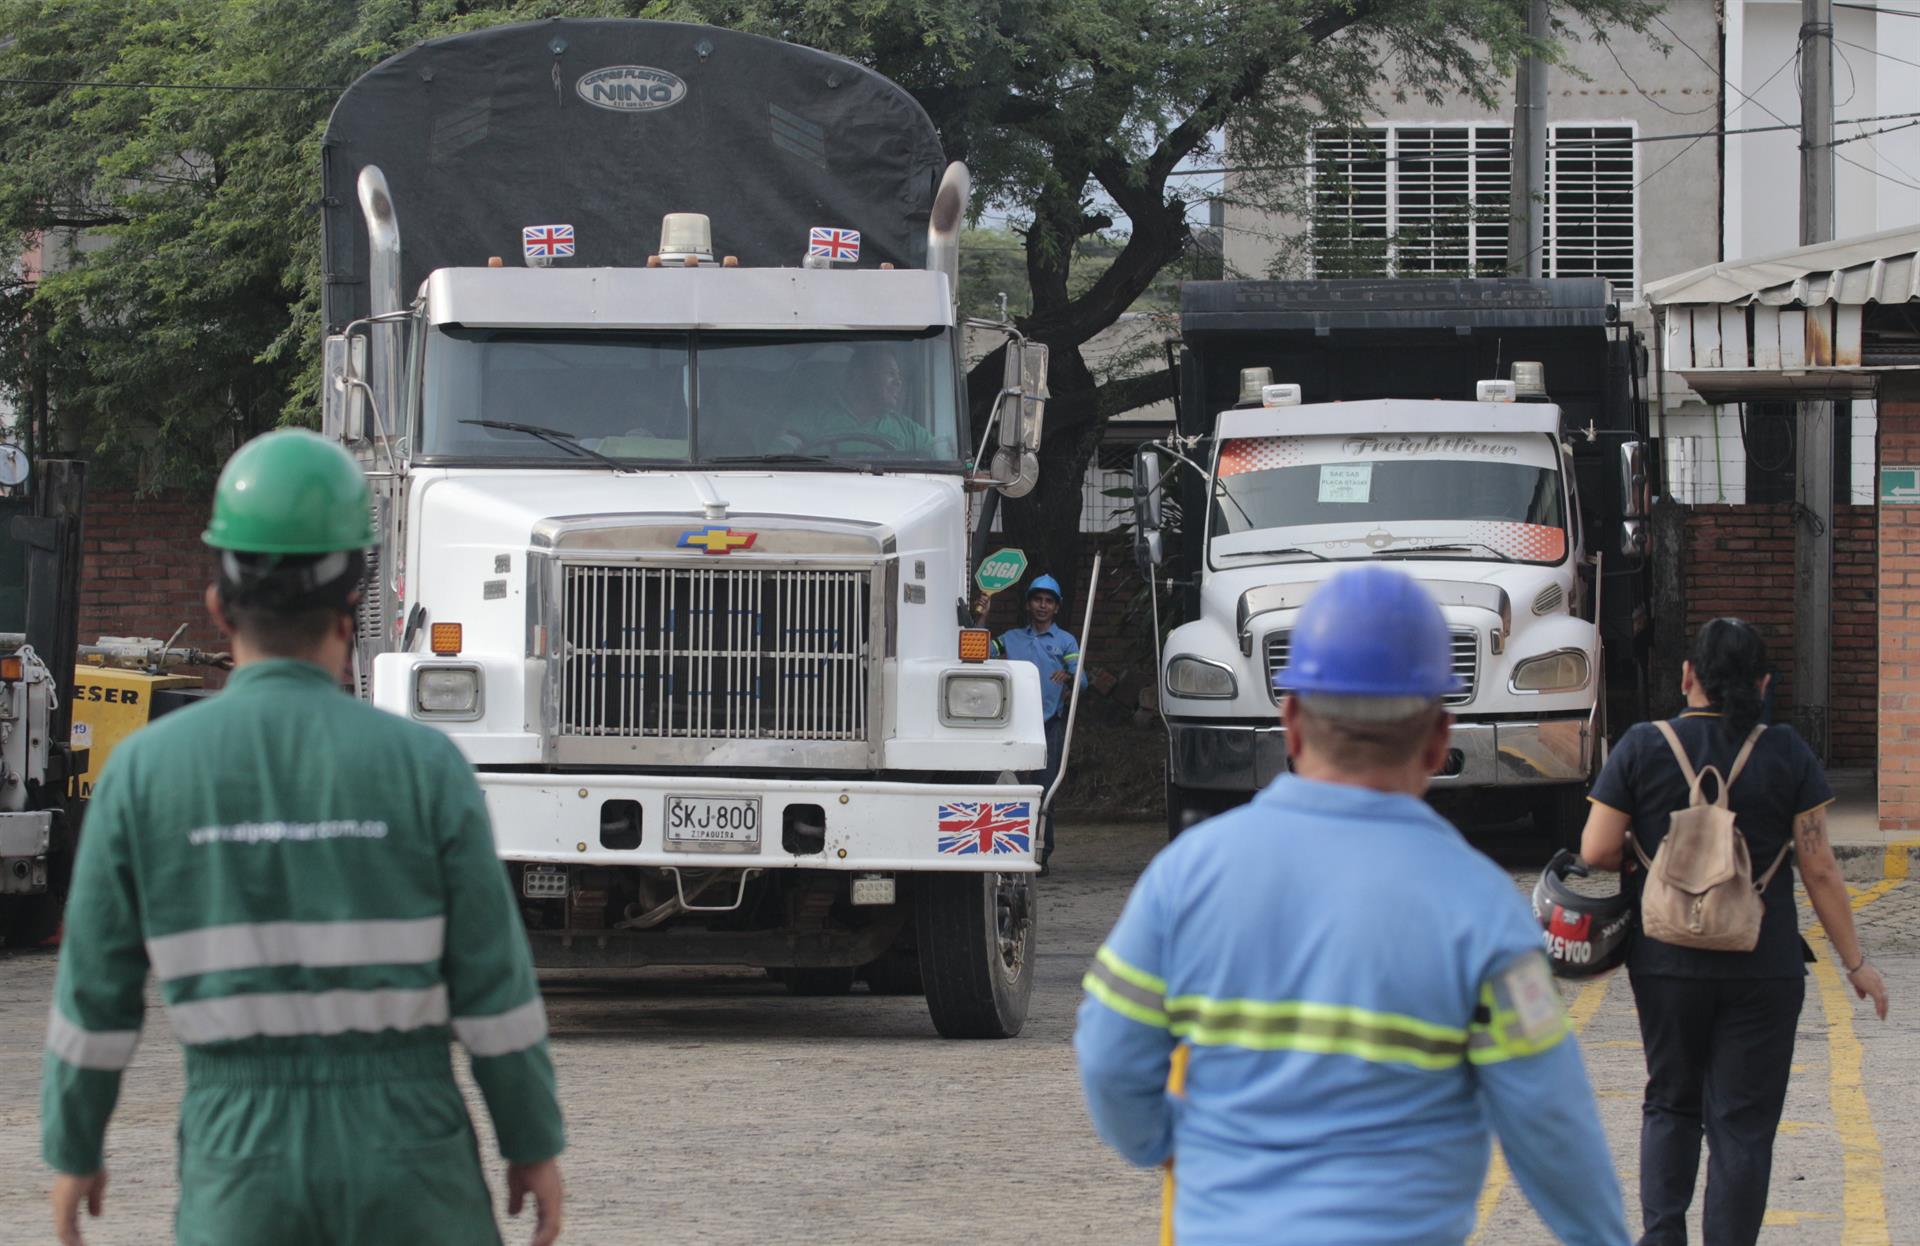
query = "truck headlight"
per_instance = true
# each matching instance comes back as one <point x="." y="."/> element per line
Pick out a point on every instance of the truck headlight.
<point x="1560" y="671"/>
<point x="974" y="699"/>
<point x="450" y="693"/>
<point x="1201" y="679"/>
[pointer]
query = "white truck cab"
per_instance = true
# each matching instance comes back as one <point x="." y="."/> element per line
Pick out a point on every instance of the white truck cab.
<point x="1474" y="499"/>
<point x="1484" y="435"/>
<point x="677" y="546"/>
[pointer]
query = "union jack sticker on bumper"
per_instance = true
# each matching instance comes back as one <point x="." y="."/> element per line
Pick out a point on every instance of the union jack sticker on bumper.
<point x="986" y="827"/>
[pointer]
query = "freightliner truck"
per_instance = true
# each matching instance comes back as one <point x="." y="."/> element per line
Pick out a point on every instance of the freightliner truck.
<point x="1489" y="437"/>
<point x="646" y="336"/>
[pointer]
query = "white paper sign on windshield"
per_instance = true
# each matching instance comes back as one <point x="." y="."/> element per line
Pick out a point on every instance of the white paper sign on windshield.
<point x="1346" y="482"/>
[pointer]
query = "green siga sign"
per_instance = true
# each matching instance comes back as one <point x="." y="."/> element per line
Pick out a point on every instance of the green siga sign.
<point x="1001" y="570"/>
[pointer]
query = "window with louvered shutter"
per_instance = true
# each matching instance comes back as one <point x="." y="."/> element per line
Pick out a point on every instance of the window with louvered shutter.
<point x="1416" y="201"/>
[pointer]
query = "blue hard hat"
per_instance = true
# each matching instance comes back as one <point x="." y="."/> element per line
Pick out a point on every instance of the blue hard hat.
<point x="1046" y="584"/>
<point x="1370" y="632"/>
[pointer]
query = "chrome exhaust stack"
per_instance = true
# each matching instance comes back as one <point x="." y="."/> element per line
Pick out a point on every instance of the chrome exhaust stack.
<point x="383" y="281"/>
<point x="943" y="226"/>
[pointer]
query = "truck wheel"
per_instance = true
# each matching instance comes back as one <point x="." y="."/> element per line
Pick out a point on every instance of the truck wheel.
<point x="976" y="936"/>
<point x="831" y="981"/>
<point x="1560" y="814"/>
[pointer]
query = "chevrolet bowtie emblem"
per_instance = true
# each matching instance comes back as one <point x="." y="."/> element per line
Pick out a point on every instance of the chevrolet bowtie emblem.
<point x="717" y="540"/>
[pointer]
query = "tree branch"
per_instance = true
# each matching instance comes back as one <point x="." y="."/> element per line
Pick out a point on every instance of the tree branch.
<point x="1128" y="392"/>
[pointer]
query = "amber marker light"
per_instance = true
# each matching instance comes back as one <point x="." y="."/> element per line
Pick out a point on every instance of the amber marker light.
<point x="976" y="644"/>
<point x="12" y="668"/>
<point x="446" y="639"/>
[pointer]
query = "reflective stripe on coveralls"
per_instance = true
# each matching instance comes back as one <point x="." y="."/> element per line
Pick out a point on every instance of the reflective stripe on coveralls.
<point x="1302" y="1025"/>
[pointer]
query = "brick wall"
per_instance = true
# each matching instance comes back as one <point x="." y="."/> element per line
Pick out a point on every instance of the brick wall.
<point x="1739" y="561"/>
<point x="1899" y="625"/>
<point x="144" y="568"/>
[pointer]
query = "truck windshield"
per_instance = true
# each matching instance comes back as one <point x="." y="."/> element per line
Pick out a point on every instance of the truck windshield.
<point x="782" y="400"/>
<point x="1343" y="496"/>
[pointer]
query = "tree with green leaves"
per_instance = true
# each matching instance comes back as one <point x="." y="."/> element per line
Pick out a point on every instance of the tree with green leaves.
<point x="194" y="320"/>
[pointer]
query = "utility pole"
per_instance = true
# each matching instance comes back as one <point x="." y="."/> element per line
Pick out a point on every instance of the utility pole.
<point x="1813" y="476"/>
<point x="1527" y="195"/>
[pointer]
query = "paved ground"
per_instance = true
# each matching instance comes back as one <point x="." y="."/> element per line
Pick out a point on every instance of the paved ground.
<point x="713" y="1108"/>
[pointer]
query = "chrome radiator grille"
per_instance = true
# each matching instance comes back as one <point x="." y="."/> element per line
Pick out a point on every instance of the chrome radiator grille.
<point x="714" y="653"/>
<point x="1466" y="660"/>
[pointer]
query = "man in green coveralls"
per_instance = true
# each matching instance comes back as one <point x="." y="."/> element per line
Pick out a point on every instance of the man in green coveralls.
<point x="313" y="882"/>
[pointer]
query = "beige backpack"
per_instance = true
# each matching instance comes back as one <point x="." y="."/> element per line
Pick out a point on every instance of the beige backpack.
<point x="1700" y="891"/>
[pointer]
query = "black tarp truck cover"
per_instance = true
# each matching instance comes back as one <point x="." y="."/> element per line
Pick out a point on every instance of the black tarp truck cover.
<point x="608" y="125"/>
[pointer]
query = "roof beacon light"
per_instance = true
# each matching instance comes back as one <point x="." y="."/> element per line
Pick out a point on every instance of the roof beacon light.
<point x="1280" y="395"/>
<point x="1529" y="378"/>
<point x="1494" y="391"/>
<point x="686" y="236"/>
<point x="1252" y="382"/>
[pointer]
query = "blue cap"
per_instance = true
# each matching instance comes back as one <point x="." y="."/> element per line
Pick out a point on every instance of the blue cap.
<point x="1370" y="632"/>
<point x="1046" y="584"/>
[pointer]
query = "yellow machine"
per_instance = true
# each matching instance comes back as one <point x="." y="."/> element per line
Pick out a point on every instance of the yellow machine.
<point x="110" y="704"/>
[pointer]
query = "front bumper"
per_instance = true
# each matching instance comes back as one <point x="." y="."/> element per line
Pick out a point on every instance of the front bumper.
<point x="869" y="825"/>
<point x="1528" y="753"/>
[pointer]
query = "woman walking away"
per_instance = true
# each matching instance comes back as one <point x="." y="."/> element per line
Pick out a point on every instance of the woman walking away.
<point x="1718" y="1026"/>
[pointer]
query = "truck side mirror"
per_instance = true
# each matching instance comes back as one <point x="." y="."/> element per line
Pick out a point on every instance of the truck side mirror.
<point x="1634" y="538"/>
<point x="1146" y="490"/>
<point x="1032" y="385"/>
<point x="343" y="388"/>
<point x="1636" y="498"/>
<point x="1023" y="402"/>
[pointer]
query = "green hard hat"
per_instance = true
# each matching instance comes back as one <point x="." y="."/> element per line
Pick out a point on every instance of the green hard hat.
<point x="291" y="492"/>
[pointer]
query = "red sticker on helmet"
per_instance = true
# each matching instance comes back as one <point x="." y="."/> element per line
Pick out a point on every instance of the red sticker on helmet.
<point x="1573" y="927"/>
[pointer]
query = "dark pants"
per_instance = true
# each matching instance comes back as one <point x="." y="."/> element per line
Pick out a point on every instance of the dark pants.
<point x="1718" y="1052"/>
<point x="1056" y="741"/>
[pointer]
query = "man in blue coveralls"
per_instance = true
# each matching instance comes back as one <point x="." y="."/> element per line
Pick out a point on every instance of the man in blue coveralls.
<point x="1056" y="654"/>
<point x="1355" y="997"/>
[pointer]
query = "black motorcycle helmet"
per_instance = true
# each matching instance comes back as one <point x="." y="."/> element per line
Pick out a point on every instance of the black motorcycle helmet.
<point x="1586" y="935"/>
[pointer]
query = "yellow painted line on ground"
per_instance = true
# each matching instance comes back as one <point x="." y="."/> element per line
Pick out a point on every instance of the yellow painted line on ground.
<point x="1863" y="1200"/>
<point x="1499" y="1176"/>
<point x="1778" y="1218"/>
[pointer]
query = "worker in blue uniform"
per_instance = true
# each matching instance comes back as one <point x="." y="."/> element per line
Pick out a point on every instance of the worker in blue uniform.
<point x="1357" y="996"/>
<point x="1056" y="654"/>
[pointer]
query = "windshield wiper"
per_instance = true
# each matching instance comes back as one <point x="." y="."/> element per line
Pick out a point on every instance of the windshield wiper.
<point x="1291" y="549"/>
<point x="552" y="436"/>
<point x="1467" y="548"/>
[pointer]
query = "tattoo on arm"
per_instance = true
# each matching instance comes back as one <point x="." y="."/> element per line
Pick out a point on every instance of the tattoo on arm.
<point x="1810" y="833"/>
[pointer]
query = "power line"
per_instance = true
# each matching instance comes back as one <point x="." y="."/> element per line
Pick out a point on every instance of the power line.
<point x="1628" y="75"/>
<point x="1867" y="168"/>
<point x="1724" y="80"/>
<point x="1877" y="52"/>
<point x="1875" y="8"/>
<point x="1794" y="126"/>
<point x="163" y="86"/>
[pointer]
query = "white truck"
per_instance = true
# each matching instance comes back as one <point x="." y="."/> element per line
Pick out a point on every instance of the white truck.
<point x="1473" y="487"/>
<point x="678" y="538"/>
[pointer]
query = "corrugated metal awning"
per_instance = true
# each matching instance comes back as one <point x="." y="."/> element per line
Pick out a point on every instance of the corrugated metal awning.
<point x="1811" y="324"/>
<point x="1875" y="268"/>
